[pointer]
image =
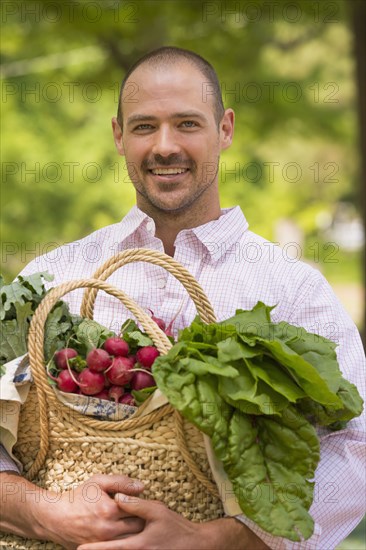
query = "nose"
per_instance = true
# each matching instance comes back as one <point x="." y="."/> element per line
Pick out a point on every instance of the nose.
<point x="165" y="142"/>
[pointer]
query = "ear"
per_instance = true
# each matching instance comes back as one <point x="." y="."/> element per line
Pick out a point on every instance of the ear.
<point x="227" y="129"/>
<point x="117" y="135"/>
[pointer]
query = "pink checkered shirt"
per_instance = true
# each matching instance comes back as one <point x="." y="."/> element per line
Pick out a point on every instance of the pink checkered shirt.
<point x="236" y="268"/>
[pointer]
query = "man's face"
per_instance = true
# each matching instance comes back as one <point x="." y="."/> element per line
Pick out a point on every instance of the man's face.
<point x="170" y="137"/>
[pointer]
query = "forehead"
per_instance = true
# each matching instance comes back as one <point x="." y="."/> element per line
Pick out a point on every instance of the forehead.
<point x="159" y="90"/>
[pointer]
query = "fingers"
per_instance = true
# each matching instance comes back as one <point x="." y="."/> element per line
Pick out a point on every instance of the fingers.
<point x="134" y="506"/>
<point x="131" y="526"/>
<point x="124" y="529"/>
<point x="122" y="544"/>
<point x="117" y="484"/>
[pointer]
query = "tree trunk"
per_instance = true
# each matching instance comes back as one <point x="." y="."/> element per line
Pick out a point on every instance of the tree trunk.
<point x="358" y="19"/>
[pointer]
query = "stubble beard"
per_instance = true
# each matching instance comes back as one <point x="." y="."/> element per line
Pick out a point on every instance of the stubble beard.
<point x="160" y="207"/>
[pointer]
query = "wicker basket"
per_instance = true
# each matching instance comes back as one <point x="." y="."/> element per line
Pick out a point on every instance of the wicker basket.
<point x="61" y="448"/>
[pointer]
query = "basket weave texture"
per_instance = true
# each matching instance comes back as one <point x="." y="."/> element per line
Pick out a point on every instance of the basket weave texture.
<point x="60" y="448"/>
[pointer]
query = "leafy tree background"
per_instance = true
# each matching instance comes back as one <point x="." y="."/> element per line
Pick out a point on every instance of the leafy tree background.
<point x="287" y="68"/>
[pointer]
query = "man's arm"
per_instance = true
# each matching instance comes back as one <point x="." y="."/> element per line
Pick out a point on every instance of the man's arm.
<point x="167" y="530"/>
<point x="86" y="513"/>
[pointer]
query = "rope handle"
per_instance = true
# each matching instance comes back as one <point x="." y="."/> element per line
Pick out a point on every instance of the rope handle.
<point x="194" y="289"/>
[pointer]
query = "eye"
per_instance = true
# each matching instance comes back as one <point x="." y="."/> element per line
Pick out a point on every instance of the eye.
<point x="143" y="127"/>
<point x="189" y="124"/>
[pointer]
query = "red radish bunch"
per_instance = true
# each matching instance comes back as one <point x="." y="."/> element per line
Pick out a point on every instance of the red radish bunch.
<point x="111" y="372"/>
<point x="147" y="355"/>
<point x="162" y="325"/>
<point x="62" y="357"/>
<point x="98" y="360"/>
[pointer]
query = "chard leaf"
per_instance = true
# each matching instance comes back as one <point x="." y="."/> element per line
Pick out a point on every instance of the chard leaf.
<point x="267" y="462"/>
<point x="258" y="419"/>
<point x="264" y="368"/>
<point x="250" y="395"/>
<point x="330" y="416"/>
<point x="254" y="321"/>
<point x="231" y="350"/>
<point x="209" y="366"/>
<point x="210" y="334"/>
<point x="314" y="349"/>
<point x="305" y="375"/>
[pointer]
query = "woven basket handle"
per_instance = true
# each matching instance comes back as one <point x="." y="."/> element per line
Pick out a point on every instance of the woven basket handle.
<point x="194" y="290"/>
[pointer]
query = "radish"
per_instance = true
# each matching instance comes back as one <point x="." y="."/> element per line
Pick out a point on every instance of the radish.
<point x="102" y="394"/>
<point x="169" y="329"/>
<point x="91" y="382"/>
<point x="147" y="355"/>
<point x="142" y="380"/>
<point x="159" y="322"/>
<point x="107" y="383"/>
<point x="127" y="399"/>
<point x="61" y="357"/>
<point x="120" y="372"/>
<point x="65" y="381"/>
<point x="116" y="346"/>
<point x="115" y="393"/>
<point x="98" y="360"/>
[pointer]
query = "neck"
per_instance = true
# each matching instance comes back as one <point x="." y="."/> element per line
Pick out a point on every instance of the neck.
<point x="169" y="224"/>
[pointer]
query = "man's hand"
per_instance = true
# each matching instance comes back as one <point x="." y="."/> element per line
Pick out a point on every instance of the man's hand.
<point x="168" y="530"/>
<point x="87" y="513"/>
<point x="90" y="512"/>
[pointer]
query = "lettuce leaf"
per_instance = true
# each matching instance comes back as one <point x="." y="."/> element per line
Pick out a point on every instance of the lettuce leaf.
<point x="256" y="388"/>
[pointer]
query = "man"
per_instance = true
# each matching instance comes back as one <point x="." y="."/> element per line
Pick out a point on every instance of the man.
<point x="172" y="127"/>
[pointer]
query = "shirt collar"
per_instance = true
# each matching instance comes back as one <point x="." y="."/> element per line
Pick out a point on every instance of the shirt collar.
<point x="134" y="219"/>
<point x="217" y="236"/>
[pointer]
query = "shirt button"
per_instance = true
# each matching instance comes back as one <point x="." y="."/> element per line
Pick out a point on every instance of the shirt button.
<point x="161" y="283"/>
<point x="150" y="226"/>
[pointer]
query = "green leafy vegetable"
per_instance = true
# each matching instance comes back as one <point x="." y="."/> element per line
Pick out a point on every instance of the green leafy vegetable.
<point x="134" y="337"/>
<point x="141" y="395"/>
<point x="89" y="334"/>
<point x="18" y="303"/>
<point x="255" y="388"/>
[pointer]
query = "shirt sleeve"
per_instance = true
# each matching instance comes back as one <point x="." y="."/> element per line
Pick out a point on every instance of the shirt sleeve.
<point x="6" y="463"/>
<point x="339" y="503"/>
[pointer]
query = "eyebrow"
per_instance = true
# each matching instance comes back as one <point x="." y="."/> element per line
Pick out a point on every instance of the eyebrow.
<point x="150" y="118"/>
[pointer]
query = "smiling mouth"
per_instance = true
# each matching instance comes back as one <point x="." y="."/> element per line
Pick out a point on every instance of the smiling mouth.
<point x="168" y="171"/>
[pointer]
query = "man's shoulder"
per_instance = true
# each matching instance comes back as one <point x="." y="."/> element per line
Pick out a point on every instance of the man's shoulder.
<point x="288" y="257"/>
<point x="80" y="257"/>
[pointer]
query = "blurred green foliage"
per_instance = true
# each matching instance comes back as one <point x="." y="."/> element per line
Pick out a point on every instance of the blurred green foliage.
<point x="286" y="68"/>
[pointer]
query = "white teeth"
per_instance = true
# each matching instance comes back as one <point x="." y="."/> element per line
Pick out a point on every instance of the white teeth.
<point x="166" y="171"/>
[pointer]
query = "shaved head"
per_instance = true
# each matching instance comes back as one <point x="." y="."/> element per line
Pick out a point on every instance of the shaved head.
<point x="169" y="55"/>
